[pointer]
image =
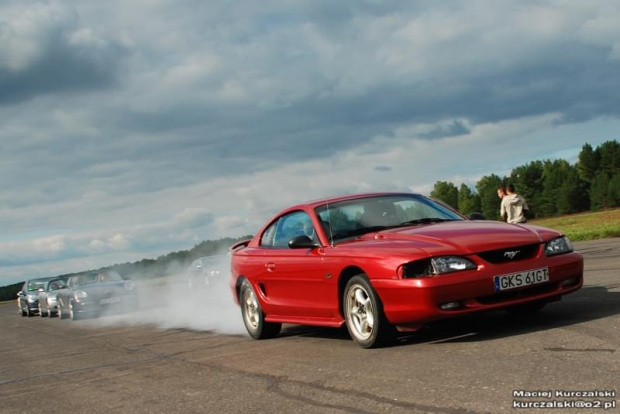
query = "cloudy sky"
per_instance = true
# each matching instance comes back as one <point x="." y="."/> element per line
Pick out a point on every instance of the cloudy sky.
<point x="130" y="129"/>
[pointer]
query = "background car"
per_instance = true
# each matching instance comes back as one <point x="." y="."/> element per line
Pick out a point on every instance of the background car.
<point x="94" y="293"/>
<point x="48" y="296"/>
<point x="28" y="297"/>
<point x="393" y="261"/>
<point x="205" y="271"/>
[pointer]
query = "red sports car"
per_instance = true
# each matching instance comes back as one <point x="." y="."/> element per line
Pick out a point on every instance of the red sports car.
<point x="393" y="261"/>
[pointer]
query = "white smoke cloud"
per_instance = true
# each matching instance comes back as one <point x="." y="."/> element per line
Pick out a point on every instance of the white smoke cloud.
<point x="172" y="303"/>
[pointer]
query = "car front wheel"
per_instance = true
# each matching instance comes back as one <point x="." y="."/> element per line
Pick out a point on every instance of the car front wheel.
<point x="41" y="312"/>
<point x="253" y="316"/>
<point x="364" y="316"/>
<point x="72" y="312"/>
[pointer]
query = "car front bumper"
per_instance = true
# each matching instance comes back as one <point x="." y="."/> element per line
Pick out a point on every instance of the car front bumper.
<point x="419" y="300"/>
<point x="97" y="306"/>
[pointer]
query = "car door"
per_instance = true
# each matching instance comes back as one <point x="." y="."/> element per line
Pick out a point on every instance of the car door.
<point x="294" y="281"/>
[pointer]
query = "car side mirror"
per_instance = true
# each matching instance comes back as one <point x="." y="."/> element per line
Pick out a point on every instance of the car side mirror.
<point x="20" y="293"/>
<point x="476" y="216"/>
<point x="302" y="242"/>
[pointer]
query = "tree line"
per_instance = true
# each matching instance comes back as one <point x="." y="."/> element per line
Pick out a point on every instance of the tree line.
<point x="550" y="187"/>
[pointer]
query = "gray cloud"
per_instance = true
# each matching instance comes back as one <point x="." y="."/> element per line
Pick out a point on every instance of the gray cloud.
<point x="46" y="51"/>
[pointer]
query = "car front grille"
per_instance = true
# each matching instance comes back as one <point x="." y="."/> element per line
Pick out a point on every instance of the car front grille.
<point x="510" y="255"/>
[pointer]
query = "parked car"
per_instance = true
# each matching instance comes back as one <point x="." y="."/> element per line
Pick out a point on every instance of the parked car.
<point x="205" y="271"/>
<point x="48" y="296"/>
<point x="383" y="262"/>
<point x="93" y="293"/>
<point x="28" y="297"/>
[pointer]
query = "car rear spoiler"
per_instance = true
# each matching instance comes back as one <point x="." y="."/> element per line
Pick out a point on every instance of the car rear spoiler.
<point x="240" y="245"/>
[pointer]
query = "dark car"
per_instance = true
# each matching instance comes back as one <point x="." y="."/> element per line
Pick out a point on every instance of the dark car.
<point x="393" y="261"/>
<point x="48" y="297"/>
<point x="95" y="293"/>
<point x="28" y="297"/>
<point x="205" y="271"/>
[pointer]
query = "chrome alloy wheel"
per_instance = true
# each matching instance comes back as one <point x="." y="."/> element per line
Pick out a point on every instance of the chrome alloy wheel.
<point x="251" y="308"/>
<point x="360" y="312"/>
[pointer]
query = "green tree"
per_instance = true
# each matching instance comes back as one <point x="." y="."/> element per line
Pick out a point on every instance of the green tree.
<point x="572" y="196"/>
<point x="588" y="163"/>
<point x="556" y="175"/>
<point x="609" y="158"/>
<point x="527" y="180"/>
<point x="469" y="202"/>
<point x="446" y="192"/>
<point x="614" y="191"/>
<point x="487" y="191"/>
<point x="599" y="192"/>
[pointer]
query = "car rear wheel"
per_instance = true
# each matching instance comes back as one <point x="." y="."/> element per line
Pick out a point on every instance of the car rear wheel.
<point x="253" y="316"/>
<point x="364" y="316"/>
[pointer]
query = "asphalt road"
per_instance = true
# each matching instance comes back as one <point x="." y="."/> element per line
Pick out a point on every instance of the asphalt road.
<point x="472" y="365"/>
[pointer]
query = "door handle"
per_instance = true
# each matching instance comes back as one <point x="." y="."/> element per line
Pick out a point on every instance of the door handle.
<point x="270" y="266"/>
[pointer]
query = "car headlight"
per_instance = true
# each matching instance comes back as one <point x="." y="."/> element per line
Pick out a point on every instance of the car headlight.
<point x="80" y="294"/>
<point x="435" y="266"/>
<point x="31" y="298"/>
<point x="558" y="246"/>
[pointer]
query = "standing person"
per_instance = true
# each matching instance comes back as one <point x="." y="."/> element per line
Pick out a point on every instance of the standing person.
<point x="513" y="207"/>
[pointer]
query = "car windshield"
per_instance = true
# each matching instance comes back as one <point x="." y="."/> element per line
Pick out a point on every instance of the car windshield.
<point x="355" y="217"/>
<point x="36" y="285"/>
<point x="110" y="277"/>
<point x="86" y="279"/>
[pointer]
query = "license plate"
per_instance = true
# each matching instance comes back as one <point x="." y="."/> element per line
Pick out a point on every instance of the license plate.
<point x="521" y="279"/>
<point x="109" y="300"/>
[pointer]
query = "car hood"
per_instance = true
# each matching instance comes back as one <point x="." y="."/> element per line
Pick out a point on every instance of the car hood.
<point x="462" y="237"/>
<point x="107" y="289"/>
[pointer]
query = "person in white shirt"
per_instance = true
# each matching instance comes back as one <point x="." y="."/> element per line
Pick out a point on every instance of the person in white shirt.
<point x="513" y="207"/>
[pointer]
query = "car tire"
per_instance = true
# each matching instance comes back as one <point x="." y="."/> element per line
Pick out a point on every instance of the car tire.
<point x="364" y="316"/>
<point x="61" y="313"/>
<point x="253" y="317"/>
<point x="22" y="311"/>
<point x="42" y="313"/>
<point x="72" y="313"/>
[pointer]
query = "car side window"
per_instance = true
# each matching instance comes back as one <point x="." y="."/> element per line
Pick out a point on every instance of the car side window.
<point x="294" y="224"/>
<point x="267" y="239"/>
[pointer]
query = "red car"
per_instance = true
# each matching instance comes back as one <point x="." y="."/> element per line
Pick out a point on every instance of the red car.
<point x="393" y="261"/>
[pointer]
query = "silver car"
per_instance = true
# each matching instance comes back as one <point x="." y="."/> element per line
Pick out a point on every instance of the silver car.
<point x="207" y="270"/>
<point x="28" y="297"/>
<point x="48" y="297"/>
<point x="94" y="293"/>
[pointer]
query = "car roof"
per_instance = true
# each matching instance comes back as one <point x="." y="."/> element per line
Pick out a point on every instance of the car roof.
<point x="335" y="199"/>
<point x="42" y="279"/>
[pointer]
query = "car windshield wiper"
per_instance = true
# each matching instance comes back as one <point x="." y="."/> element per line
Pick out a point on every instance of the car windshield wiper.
<point x="426" y="220"/>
